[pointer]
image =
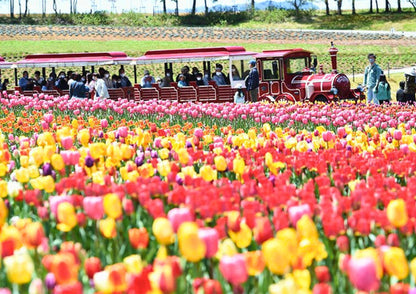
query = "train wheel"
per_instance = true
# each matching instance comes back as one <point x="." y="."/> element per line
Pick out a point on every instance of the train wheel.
<point x="321" y="98"/>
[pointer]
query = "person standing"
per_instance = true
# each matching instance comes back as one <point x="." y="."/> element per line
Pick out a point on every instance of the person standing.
<point x="400" y="97"/>
<point x="252" y="81"/>
<point x="78" y="89"/>
<point x="101" y="89"/>
<point x="371" y="77"/>
<point x="383" y="90"/>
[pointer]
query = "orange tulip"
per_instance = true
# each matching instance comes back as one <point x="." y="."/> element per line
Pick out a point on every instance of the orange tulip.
<point x="254" y="262"/>
<point x="139" y="238"/>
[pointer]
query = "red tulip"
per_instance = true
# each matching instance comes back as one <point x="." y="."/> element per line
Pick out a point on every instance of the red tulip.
<point x="92" y="265"/>
<point x="322" y="274"/>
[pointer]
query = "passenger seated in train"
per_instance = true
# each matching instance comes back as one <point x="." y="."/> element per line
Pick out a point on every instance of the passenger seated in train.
<point x="159" y="81"/>
<point x="3" y="86"/>
<point x="207" y="77"/>
<point x="38" y="80"/>
<point x="147" y="80"/>
<point x="124" y="80"/>
<point x="78" y="89"/>
<point x="185" y="73"/>
<point x="50" y="83"/>
<point x="195" y="71"/>
<point x="25" y="83"/>
<point x="167" y="80"/>
<point x="108" y="82"/>
<point x="71" y="78"/>
<point x="93" y="82"/>
<point x="182" y="81"/>
<point x="219" y="77"/>
<point x="116" y="80"/>
<point x="61" y="83"/>
<point x="234" y="73"/>
<point x="199" y="80"/>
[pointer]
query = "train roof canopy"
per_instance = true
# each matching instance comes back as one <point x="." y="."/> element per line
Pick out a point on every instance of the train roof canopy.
<point x="74" y="59"/>
<point x="283" y="53"/>
<point x="195" y="54"/>
<point x="4" y="63"/>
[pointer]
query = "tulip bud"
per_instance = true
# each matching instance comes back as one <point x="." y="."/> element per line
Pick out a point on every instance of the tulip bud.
<point x="139" y="238"/>
<point x="92" y="265"/>
<point x="343" y="243"/>
<point x="380" y="240"/>
<point x="233" y="268"/>
<point x="397" y="213"/>
<point x="177" y="216"/>
<point x="393" y="240"/>
<point x="322" y="274"/>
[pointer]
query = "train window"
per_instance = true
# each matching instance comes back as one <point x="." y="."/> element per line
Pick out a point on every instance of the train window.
<point x="238" y="72"/>
<point x="296" y="65"/>
<point x="271" y="70"/>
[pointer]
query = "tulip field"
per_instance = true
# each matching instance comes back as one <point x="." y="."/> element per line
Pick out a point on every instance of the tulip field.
<point x="105" y="196"/>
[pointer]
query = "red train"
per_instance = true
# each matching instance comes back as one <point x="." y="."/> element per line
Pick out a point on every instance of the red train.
<point x="284" y="74"/>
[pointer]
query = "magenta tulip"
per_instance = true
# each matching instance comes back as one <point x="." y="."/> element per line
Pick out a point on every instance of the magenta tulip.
<point x="364" y="282"/>
<point x="210" y="238"/>
<point x="177" y="216"/>
<point x="234" y="269"/>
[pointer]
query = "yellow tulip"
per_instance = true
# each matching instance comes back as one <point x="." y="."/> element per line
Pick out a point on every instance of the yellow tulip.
<point x="163" y="168"/>
<point x="163" y="231"/>
<point x="289" y="237"/>
<point x="48" y="184"/>
<point x="226" y="247"/>
<point x="66" y="217"/>
<point x="183" y="156"/>
<point x="3" y="169"/>
<point x="306" y="228"/>
<point x="191" y="247"/>
<point x="3" y="189"/>
<point x="302" y="279"/>
<point x="36" y="155"/>
<point x="395" y="263"/>
<point x="207" y="173"/>
<point x="108" y="228"/>
<point x="276" y="255"/>
<point x="413" y="268"/>
<point x="22" y="175"/>
<point x="112" y="206"/>
<point x="397" y="213"/>
<point x="84" y="137"/>
<point x="24" y="161"/>
<point x="163" y="153"/>
<point x="238" y="165"/>
<point x="220" y="163"/>
<point x="285" y="286"/>
<point x="19" y="268"/>
<point x="134" y="264"/>
<point x="243" y="237"/>
<point x="3" y="210"/>
<point x="311" y="249"/>
<point x="57" y="162"/>
<point x="33" y="171"/>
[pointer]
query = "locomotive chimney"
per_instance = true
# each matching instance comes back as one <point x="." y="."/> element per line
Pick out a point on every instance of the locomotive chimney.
<point x="333" y="53"/>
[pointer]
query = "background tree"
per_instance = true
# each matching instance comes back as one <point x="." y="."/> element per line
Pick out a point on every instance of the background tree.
<point x="206" y="7"/>
<point x="327" y="7"/>
<point x="73" y="6"/>
<point x="399" y="6"/>
<point x="11" y="8"/>
<point x="26" y="8"/>
<point x="43" y="8"/>
<point x="164" y="6"/>
<point x="371" y="7"/>
<point x="387" y="6"/>
<point x="339" y="7"/>
<point x="377" y="10"/>
<point x="20" y="8"/>
<point x="297" y="4"/>
<point x="353" y="7"/>
<point x="55" y="8"/>
<point x="413" y="2"/>
<point x="177" y="7"/>
<point x="193" y="7"/>
<point x="253" y="6"/>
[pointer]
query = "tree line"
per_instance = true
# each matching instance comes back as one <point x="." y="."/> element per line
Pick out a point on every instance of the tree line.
<point x="296" y="4"/>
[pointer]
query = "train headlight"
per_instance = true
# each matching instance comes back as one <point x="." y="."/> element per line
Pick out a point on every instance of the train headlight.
<point x="334" y="91"/>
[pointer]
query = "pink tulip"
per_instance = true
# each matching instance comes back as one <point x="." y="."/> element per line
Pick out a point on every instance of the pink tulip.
<point x="93" y="207"/>
<point x="397" y="135"/>
<point x="54" y="202"/>
<point x="364" y="282"/>
<point x="104" y="123"/>
<point x="234" y="269"/>
<point x="210" y="238"/>
<point x="177" y="216"/>
<point x="296" y="213"/>
<point x="67" y="143"/>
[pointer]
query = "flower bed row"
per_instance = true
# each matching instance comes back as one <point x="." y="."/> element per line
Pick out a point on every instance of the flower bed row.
<point x="159" y="197"/>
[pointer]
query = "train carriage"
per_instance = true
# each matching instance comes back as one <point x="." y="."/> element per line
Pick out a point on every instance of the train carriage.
<point x="289" y="75"/>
